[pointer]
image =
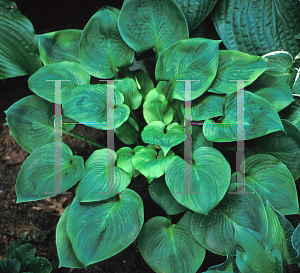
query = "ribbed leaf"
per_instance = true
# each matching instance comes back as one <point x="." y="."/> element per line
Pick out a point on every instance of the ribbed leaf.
<point x="124" y="162"/>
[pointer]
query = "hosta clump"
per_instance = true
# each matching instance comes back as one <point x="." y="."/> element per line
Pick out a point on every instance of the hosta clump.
<point x="179" y="131"/>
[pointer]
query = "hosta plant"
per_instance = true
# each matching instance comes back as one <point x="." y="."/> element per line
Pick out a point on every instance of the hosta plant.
<point x="213" y="126"/>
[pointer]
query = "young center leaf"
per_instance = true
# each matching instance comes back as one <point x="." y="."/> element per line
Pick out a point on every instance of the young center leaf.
<point x="124" y="161"/>
<point x="170" y="247"/>
<point x="152" y="24"/>
<point x="35" y="180"/>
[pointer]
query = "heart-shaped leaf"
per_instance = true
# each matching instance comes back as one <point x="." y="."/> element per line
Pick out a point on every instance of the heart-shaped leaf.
<point x="216" y="231"/>
<point x="102" y="179"/>
<point x="249" y="26"/>
<point x="162" y="196"/>
<point x="128" y="131"/>
<point x="260" y="119"/>
<point x="157" y="108"/>
<point x="100" y="230"/>
<point x="209" y="178"/>
<point x="59" y="46"/>
<point x="191" y="59"/>
<point x="19" y="53"/>
<point x="170" y="248"/>
<point x="151" y="164"/>
<point x="35" y="180"/>
<point x="124" y="162"/>
<point x="69" y="73"/>
<point x="89" y="105"/>
<point x="152" y="24"/>
<point x="154" y="133"/>
<point x="266" y="174"/>
<point x="234" y="66"/>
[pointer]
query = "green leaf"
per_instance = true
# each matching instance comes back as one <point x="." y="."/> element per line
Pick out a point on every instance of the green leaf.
<point x="71" y="75"/>
<point x="296" y="241"/>
<point x="128" y="131"/>
<point x="272" y="89"/>
<point x="201" y="186"/>
<point x="164" y="136"/>
<point x="14" y="245"/>
<point x="152" y="24"/>
<point x="216" y="230"/>
<point x="19" y="54"/>
<point x="266" y="175"/>
<point x="198" y="138"/>
<point x="59" y="46"/>
<point x="157" y="108"/>
<point x="151" y="164"/>
<point x="124" y="162"/>
<point x="285" y="146"/>
<point x="39" y="265"/>
<point x="35" y="180"/>
<point x="280" y="232"/>
<point x="102" y="50"/>
<point x="162" y="196"/>
<point x="228" y="266"/>
<point x="258" y="27"/>
<point x="100" y="230"/>
<point x="102" y="179"/>
<point x="235" y="66"/>
<point x="195" y="11"/>
<point x="10" y="265"/>
<point x="66" y="254"/>
<point x="170" y="248"/>
<point x="190" y="59"/>
<point x="292" y="113"/>
<point x="260" y="119"/>
<point x="296" y="86"/>
<point x="89" y="104"/>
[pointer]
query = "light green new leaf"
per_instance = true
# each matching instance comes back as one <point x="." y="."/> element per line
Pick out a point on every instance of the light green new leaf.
<point x="102" y="179"/>
<point x="152" y="24"/>
<point x="201" y="186"/>
<point x="285" y="146"/>
<point x="102" y="50"/>
<point x="292" y="113"/>
<point x="128" y="131"/>
<point x="124" y="160"/>
<point x="90" y="105"/>
<point x="157" y="108"/>
<point x="258" y="27"/>
<point x="59" y="46"/>
<point x="216" y="230"/>
<point x="228" y="266"/>
<point x="255" y="253"/>
<point x="19" y="54"/>
<point x="65" y="252"/>
<point x="151" y="164"/>
<point x="170" y="247"/>
<point x="260" y="119"/>
<point x="36" y="181"/>
<point x="39" y="265"/>
<point x="100" y="230"/>
<point x="195" y="11"/>
<point x="69" y="74"/>
<point x="164" y="136"/>
<point x="162" y="196"/>
<point x="280" y="231"/>
<point x="236" y="66"/>
<point x="190" y="59"/>
<point x="273" y="181"/>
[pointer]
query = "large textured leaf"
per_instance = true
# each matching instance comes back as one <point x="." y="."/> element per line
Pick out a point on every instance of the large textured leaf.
<point x="88" y="104"/>
<point x="195" y="11"/>
<point x="19" y="54"/>
<point x="285" y="146"/>
<point x="260" y="119"/>
<point x="258" y="27"/>
<point x="233" y="66"/>
<point x="152" y="24"/>
<point x="170" y="248"/>
<point x="209" y="178"/>
<point x="102" y="50"/>
<point x="190" y="59"/>
<point x="216" y="231"/>
<point x="35" y="180"/>
<point x="59" y="46"/>
<point x="266" y="174"/>
<point x="102" y="179"/>
<point x="99" y="230"/>
<point x="71" y="74"/>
